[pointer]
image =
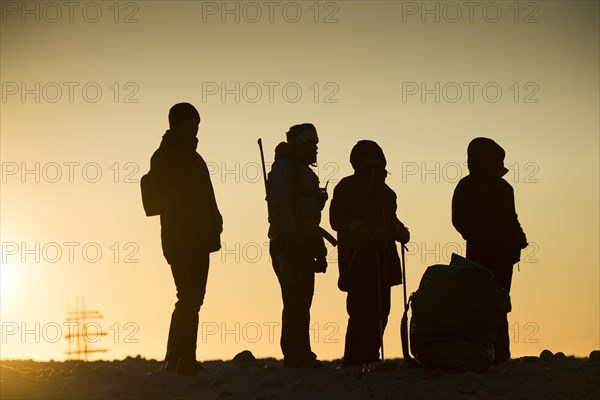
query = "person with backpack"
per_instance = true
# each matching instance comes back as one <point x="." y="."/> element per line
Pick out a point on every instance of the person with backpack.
<point x="363" y="212"/>
<point x="483" y="212"/>
<point x="178" y="187"/>
<point x="297" y="247"/>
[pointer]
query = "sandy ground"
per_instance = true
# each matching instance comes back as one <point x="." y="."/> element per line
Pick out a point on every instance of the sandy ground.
<point x="550" y="376"/>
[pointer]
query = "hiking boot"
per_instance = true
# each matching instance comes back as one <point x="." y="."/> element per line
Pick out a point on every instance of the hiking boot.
<point x="189" y="367"/>
<point x="302" y="364"/>
<point x="170" y="365"/>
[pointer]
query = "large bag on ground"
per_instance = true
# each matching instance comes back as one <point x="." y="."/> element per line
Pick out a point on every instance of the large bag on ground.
<point x="455" y="316"/>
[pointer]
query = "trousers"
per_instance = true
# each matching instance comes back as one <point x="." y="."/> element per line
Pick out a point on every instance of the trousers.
<point x="366" y="322"/>
<point x="503" y="272"/>
<point x="190" y="272"/>
<point x="297" y="281"/>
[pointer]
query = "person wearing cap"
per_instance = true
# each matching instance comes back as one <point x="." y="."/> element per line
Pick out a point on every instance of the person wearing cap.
<point x="363" y="212"/>
<point x="483" y="212"/>
<point x="297" y="248"/>
<point x="191" y="225"/>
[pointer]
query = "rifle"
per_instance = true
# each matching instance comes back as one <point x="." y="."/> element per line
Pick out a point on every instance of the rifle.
<point x="262" y="160"/>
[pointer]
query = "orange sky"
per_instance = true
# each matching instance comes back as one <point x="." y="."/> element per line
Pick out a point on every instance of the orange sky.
<point x="84" y="105"/>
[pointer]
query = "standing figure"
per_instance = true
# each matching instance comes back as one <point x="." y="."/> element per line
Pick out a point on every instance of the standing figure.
<point x="363" y="212"/>
<point x="297" y="246"/>
<point x="483" y="211"/>
<point x="191" y="225"/>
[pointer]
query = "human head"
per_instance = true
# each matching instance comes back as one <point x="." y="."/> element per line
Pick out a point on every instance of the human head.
<point x="304" y="138"/>
<point x="486" y="157"/>
<point x="185" y="118"/>
<point x="367" y="153"/>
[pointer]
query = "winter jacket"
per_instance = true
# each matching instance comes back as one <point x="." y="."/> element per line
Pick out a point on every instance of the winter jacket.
<point x="483" y="208"/>
<point x="190" y="218"/>
<point x="294" y="200"/>
<point x="354" y="202"/>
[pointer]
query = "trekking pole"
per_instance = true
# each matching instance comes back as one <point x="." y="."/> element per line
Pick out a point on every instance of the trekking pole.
<point x="404" y="276"/>
<point x="379" y="269"/>
<point x="410" y="362"/>
<point x="379" y="303"/>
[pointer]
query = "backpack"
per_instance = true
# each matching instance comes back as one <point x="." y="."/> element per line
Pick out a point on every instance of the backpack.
<point x="455" y="314"/>
<point x="151" y="198"/>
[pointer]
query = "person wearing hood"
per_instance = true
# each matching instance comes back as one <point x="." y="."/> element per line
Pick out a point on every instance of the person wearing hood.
<point x="363" y="212"/>
<point x="297" y="248"/>
<point x="191" y="225"/>
<point x="483" y="212"/>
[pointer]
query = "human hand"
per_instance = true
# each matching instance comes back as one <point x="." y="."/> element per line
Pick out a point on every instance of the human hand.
<point x="402" y="233"/>
<point x="321" y="265"/>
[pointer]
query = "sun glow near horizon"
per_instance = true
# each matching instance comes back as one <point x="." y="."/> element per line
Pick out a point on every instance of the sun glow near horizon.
<point x="357" y="79"/>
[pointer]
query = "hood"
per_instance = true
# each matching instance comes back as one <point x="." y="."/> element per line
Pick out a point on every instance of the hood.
<point x="485" y="158"/>
<point x="365" y="152"/>
<point x="369" y="164"/>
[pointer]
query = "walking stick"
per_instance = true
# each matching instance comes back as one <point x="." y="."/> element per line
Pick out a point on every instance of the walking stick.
<point x="379" y="269"/>
<point x="404" y="276"/>
<point x="381" y="273"/>
<point x="379" y="304"/>
<point x="410" y="362"/>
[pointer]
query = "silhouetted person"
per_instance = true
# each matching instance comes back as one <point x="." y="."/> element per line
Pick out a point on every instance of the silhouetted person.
<point x="298" y="250"/>
<point x="190" y="229"/>
<point x="483" y="211"/>
<point x="363" y="212"/>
